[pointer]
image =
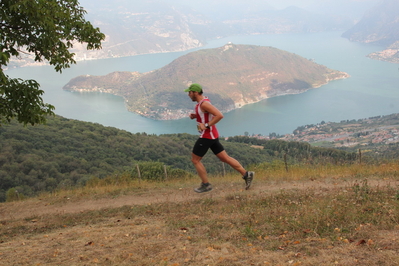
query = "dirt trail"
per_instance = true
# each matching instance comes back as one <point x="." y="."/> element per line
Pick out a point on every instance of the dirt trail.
<point x="36" y="207"/>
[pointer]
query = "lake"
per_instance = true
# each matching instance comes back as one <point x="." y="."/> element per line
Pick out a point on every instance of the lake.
<point x="372" y="89"/>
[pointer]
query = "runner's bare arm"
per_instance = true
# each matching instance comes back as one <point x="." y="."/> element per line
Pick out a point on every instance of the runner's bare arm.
<point x="217" y="115"/>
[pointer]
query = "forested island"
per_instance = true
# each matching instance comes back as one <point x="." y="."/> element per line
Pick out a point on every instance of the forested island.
<point x="231" y="75"/>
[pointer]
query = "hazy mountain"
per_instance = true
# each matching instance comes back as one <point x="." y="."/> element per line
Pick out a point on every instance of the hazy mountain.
<point x="380" y="25"/>
<point x="135" y="27"/>
<point x="232" y="76"/>
<point x="153" y="26"/>
<point x="139" y="27"/>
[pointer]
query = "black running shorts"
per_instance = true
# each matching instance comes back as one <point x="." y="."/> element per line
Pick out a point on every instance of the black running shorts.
<point x="201" y="146"/>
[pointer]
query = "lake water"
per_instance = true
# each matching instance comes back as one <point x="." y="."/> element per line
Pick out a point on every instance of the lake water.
<point x="372" y="89"/>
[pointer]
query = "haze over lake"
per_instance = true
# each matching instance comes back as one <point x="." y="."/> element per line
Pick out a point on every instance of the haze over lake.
<point x="372" y="89"/>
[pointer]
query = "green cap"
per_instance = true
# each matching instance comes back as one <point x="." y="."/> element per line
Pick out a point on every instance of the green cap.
<point x="194" y="87"/>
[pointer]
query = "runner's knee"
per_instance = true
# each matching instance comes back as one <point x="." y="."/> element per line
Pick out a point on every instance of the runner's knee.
<point x="195" y="159"/>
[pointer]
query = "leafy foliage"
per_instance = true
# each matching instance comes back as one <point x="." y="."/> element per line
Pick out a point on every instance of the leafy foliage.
<point x="46" y="29"/>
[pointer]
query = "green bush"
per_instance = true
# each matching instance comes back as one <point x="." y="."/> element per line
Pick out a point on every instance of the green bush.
<point x="13" y="195"/>
<point x="156" y="171"/>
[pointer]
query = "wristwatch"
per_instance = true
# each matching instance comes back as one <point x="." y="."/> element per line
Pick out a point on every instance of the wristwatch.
<point x="207" y="126"/>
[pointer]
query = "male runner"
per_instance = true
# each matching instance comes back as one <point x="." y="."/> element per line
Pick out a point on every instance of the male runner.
<point x="207" y="117"/>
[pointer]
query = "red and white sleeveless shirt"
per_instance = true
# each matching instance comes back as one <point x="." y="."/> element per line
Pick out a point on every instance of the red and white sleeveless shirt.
<point x="205" y="117"/>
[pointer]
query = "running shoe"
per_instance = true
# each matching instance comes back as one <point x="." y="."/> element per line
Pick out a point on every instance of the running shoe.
<point x="203" y="188"/>
<point x="249" y="176"/>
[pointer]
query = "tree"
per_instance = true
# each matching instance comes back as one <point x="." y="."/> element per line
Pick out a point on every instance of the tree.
<point x="47" y="29"/>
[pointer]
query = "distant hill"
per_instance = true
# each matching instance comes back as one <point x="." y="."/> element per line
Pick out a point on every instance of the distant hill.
<point x="232" y="76"/>
<point x="137" y="27"/>
<point x="134" y="27"/>
<point x="381" y="26"/>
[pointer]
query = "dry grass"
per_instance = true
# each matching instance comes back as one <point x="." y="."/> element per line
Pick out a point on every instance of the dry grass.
<point x="319" y="215"/>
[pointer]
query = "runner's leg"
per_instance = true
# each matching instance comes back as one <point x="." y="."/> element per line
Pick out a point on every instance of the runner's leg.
<point x="224" y="157"/>
<point x="199" y="167"/>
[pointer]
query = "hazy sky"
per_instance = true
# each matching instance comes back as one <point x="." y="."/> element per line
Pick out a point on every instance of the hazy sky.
<point x="285" y="3"/>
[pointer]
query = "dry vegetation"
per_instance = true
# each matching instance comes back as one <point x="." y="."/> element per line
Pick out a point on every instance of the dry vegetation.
<point x="316" y="215"/>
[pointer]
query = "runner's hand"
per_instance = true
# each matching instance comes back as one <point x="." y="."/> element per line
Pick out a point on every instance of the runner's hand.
<point x="202" y="126"/>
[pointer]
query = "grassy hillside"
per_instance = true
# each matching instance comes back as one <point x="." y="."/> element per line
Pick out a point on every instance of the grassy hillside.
<point x="67" y="153"/>
<point x="232" y="76"/>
